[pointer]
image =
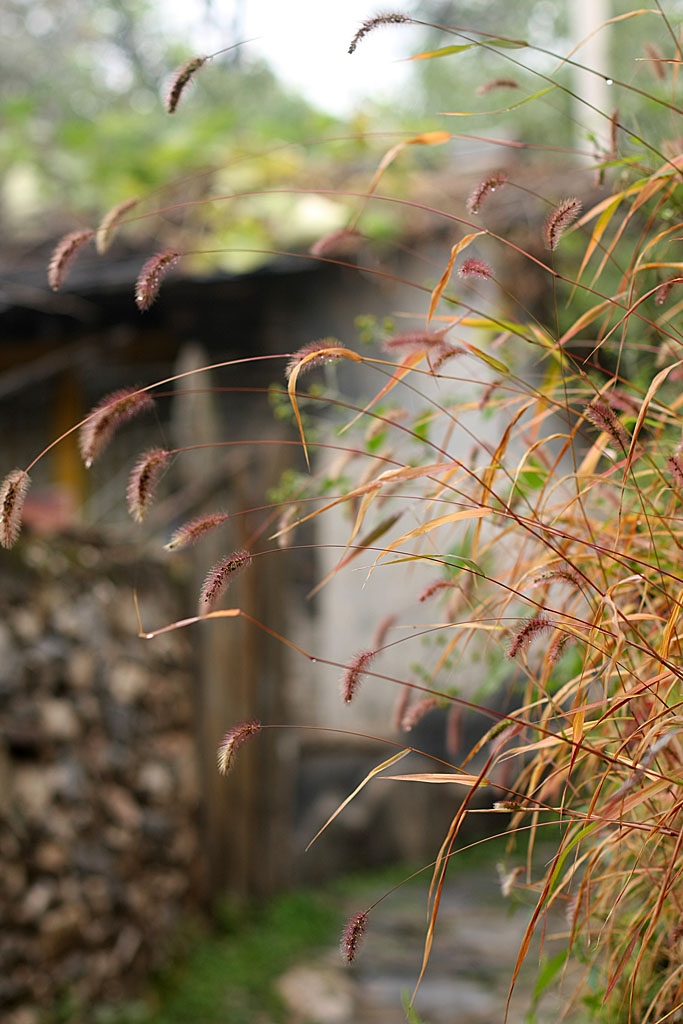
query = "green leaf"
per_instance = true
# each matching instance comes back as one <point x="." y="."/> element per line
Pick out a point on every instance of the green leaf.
<point x="454" y="564"/>
<point x="446" y="51"/>
<point x="557" y="870"/>
<point x="549" y="968"/>
<point x="411" y="1014"/>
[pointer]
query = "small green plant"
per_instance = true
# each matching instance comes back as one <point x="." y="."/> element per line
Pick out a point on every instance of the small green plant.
<point x="555" y="548"/>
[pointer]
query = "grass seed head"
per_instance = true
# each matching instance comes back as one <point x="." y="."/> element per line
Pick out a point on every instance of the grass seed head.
<point x="310" y="349"/>
<point x="675" y="466"/>
<point x="143" y="481"/>
<point x="530" y="630"/>
<point x="109" y="222"/>
<point x="416" y="713"/>
<point x="604" y="418"/>
<point x="372" y="23"/>
<point x="12" y="495"/>
<point x="559" y="220"/>
<point x="64" y="254"/>
<point x="352" y="936"/>
<point x="231" y="743"/>
<point x="475" y="268"/>
<point x="354" y="673"/>
<point x="338" y="244"/>
<point x="105" y="419"/>
<point x="150" y="277"/>
<point x="484" y="189"/>
<point x="180" y="79"/>
<point x="189" y="533"/>
<point x="664" y="290"/>
<point x="220" y="576"/>
<point x="497" y="83"/>
<point x="417" y="341"/>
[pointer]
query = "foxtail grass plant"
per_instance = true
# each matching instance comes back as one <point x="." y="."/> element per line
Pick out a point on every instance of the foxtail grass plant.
<point x="556" y="549"/>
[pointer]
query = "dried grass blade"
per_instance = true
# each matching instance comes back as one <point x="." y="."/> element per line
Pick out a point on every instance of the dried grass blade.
<point x="432" y="524"/>
<point x="654" y="386"/>
<point x="435" y="138"/>
<point x="445" y="277"/>
<point x="500" y="110"/>
<point x="368" y="777"/>
<point x="598" y="231"/>
<point x="440" y="867"/>
<point x="389" y="476"/>
<point x="334" y="350"/>
<point x="461" y="780"/>
<point x="547" y="889"/>
<point x="365" y="541"/>
<point x="622" y="963"/>
<point x="670" y="626"/>
<point x="402" y="369"/>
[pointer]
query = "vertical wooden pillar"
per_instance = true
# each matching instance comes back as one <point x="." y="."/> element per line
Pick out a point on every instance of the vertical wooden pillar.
<point x="68" y="471"/>
<point x="240" y="670"/>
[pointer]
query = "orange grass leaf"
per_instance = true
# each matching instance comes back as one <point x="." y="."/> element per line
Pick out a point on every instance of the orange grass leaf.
<point x="349" y="798"/>
<point x="327" y="351"/>
<point x="445" y="277"/>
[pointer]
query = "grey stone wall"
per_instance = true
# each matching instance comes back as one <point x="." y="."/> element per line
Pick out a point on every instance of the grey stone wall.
<point x="98" y="789"/>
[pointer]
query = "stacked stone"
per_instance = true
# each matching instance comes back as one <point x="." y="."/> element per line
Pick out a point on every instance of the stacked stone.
<point x="98" y="778"/>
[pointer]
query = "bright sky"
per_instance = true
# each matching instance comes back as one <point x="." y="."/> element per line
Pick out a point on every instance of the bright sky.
<point x="306" y="43"/>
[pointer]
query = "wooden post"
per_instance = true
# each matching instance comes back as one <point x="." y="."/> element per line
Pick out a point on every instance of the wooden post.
<point x="240" y="669"/>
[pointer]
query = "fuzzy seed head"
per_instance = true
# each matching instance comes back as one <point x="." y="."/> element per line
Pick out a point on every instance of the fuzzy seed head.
<point x="605" y="419"/>
<point x="220" y="576"/>
<point x="180" y="79"/>
<point x="143" y="481"/>
<point x="12" y="494"/>
<point x="475" y="268"/>
<point x="435" y="588"/>
<point x="416" y="341"/>
<point x="508" y="879"/>
<point x="558" y="644"/>
<point x="64" y="253"/>
<point x="529" y="631"/>
<point x="354" y="673"/>
<point x="484" y="189"/>
<point x="499" y="728"/>
<point x="382" y="629"/>
<point x="664" y="290"/>
<point x="105" y="231"/>
<point x="675" y="466"/>
<point x="417" y="712"/>
<point x="107" y="417"/>
<point x="558" y="574"/>
<point x="310" y="349"/>
<point x="447" y="353"/>
<point x="560" y="219"/>
<point x="352" y="936"/>
<point x="372" y="23"/>
<point x="231" y="743"/>
<point x="623" y="402"/>
<point x="497" y="83"/>
<point x="190" y="532"/>
<point x="338" y="244"/>
<point x="150" y="277"/>
<point x="654" y="55"/>
<point x="614" y="134"/>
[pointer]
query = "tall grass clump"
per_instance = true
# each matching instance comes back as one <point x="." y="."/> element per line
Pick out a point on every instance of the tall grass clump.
<point x="555" y="546"/>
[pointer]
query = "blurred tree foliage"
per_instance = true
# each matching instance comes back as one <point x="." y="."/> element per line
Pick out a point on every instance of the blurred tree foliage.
<point x="84" y="126"/>
<point x="82" y="107"/>
<point x="452" y="83"/>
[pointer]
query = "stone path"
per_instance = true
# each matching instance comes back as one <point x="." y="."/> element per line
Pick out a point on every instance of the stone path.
<point x="475" y="947"/>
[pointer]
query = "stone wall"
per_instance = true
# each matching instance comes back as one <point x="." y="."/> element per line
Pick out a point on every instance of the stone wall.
<point x="98" y="781"/>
